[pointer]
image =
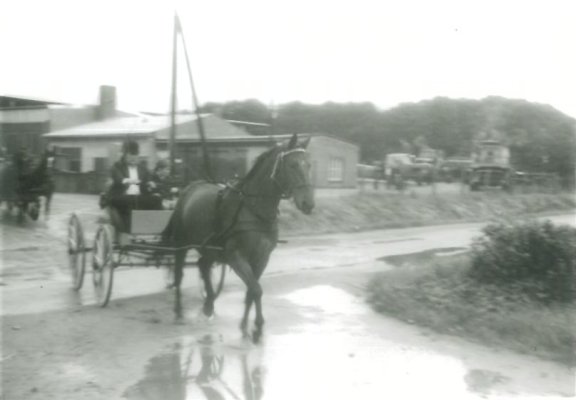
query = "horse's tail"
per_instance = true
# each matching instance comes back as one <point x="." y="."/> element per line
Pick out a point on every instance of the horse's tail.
<point x="167" y="234"/>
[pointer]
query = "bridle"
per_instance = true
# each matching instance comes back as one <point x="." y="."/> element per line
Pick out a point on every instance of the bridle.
<point x="285" y="193"/>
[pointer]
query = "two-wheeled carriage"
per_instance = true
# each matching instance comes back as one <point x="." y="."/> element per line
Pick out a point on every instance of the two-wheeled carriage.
<point x="143" y="247"/>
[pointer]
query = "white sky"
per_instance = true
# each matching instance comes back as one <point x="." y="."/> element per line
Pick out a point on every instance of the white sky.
<point x="385" y="52"/>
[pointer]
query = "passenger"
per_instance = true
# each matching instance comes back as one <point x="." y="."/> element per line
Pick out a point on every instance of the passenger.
<point x="129" y="187"/>
<point x="163" y="186"/>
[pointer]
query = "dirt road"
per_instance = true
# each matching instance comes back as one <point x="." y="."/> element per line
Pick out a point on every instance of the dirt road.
<point x="321" y="339"/>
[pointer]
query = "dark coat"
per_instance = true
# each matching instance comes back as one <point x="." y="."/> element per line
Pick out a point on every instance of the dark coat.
<point x="119" y="172"/>
<point x="163" y="186"/>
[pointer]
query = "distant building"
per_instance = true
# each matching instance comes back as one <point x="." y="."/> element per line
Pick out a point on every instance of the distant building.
<point x="88" y="139"/>
<point x="86" y="152"/>
<point x="24" y="121"/>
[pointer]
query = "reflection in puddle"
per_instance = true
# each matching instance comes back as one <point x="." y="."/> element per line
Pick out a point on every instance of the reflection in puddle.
<point x="203" y="369"/>
<point x="403" y="260"/>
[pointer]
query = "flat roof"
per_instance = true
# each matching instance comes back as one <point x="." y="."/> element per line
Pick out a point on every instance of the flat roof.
<point x="120" y="126"/>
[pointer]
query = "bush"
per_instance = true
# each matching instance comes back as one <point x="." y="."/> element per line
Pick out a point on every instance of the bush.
<point x="534" y="258"/>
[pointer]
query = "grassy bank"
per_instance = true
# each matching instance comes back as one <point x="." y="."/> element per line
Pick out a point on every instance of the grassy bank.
<point x="379" y="210"/>
<point x="440" y="295"/>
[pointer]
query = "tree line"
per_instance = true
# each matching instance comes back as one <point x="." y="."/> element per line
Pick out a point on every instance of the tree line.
<point x="541" y="138"/>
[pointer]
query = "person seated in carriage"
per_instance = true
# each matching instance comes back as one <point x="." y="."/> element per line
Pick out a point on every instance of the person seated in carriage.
<point x="163" y="187"/>
<point x="129" y="188"/>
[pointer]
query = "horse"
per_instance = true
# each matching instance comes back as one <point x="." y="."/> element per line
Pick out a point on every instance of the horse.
<point x="42" y="181"/>
<point x="25" y="181"/>
<point x="241" y="219"/>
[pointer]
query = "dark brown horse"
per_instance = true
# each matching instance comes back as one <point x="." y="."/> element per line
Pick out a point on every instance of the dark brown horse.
<point x="23" y="181"/>
<point x="243" y="220"/>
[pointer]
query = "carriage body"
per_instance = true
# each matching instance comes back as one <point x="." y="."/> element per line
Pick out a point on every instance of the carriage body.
<point x="141" y="247"/>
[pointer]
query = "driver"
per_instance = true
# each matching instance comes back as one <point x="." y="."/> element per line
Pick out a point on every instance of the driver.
<point x="129" y="188"/>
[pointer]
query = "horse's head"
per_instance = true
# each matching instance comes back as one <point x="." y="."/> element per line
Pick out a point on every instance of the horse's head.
<point x="292" y="174"/>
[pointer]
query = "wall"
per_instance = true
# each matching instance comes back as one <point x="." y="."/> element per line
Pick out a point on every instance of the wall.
<point x="87" y="183"/>
<point x="322" y="149"/>
<point x="109" y="148"/>
<point x="24" y="128"/>
<point x="227" y="160"/>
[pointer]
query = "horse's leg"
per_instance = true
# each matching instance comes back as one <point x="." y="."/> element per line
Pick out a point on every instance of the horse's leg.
<point x="259" y="267"/>
<point x="205" y="265"/>
<point x="47" y="204"/>
<point x="179" y="259"/>
<point x="22" y="210"/>
<point x="248" y="300"/>
<point x="244" y="271"/>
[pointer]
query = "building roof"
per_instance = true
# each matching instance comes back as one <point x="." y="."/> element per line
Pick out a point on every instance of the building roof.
<point x="233" y="121"/>
<point x="119" y="126"/>
<point x="142" y="125"/>
<point x="8" y="101"/>
<point x="214" y="128"/>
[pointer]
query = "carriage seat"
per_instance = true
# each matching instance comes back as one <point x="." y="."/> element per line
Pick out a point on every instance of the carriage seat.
<point x="142" y="223"/>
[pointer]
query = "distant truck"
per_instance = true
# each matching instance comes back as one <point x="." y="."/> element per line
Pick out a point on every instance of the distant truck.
<point x="491" y="167"/>
<point x="397" y="168"/>
<point x="455" y="169"/>
<point x="402" y="167"/>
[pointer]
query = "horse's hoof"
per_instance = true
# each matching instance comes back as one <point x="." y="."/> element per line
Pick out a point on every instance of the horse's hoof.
<point x="208" y="311"/>
<point x="256" y="336"/>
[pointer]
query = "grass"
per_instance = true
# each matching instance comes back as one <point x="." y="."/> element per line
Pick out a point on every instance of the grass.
<point x="383" y="210"/>
<point x="440" y="295"/>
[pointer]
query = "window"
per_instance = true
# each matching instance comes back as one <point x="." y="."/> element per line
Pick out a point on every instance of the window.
<point x="336" y="170"/>
<point x="69" y="159"/>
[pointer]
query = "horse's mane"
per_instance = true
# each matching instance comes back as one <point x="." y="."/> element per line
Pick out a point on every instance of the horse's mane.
<point x="259" y="161"/>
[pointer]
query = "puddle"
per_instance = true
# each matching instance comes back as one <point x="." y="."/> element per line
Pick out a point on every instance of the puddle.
<point x="425" y="256"/>
<point x="19" y="249"/>
<point x="328" y="299"/>
<point x="483" y="381"/>
<point x="336" y="358"/>
<point x="397" y="240"/>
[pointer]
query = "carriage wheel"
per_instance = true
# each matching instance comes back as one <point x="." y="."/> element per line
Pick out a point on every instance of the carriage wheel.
<point x="218" y="274"/>
<point x="76" y="251"/>
<point x="103" y="264"/>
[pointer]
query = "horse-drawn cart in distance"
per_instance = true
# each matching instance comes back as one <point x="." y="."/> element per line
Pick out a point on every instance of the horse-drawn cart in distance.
<point x="25" y="181"/>
<point x="143" y="248"/>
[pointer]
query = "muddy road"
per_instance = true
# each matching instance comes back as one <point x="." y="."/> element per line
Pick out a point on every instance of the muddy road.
<point x="321" y="339"/>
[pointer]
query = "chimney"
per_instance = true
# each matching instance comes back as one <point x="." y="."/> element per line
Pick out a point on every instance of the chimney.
<point x="107" y="107"/>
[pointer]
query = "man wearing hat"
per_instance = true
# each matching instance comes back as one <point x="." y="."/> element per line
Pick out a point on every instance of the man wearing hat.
<point x="130" y="187"/>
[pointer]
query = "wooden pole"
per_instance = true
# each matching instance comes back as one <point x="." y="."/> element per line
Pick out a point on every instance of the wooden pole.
<point x="205" y="155"/>
<point x="173" y="102"/>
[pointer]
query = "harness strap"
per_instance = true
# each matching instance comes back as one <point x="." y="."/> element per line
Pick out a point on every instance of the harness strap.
<point x="220" y="234"/>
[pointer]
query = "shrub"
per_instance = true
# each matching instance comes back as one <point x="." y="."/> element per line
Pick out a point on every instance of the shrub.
<point x="534" y="258"/>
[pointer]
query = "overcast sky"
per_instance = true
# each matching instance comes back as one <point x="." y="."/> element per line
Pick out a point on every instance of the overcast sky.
<point x="384" y="52"/>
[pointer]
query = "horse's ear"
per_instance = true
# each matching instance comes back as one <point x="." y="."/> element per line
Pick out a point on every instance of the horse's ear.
<point x="293" y="142"/>
<point x="306" y="142"/>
